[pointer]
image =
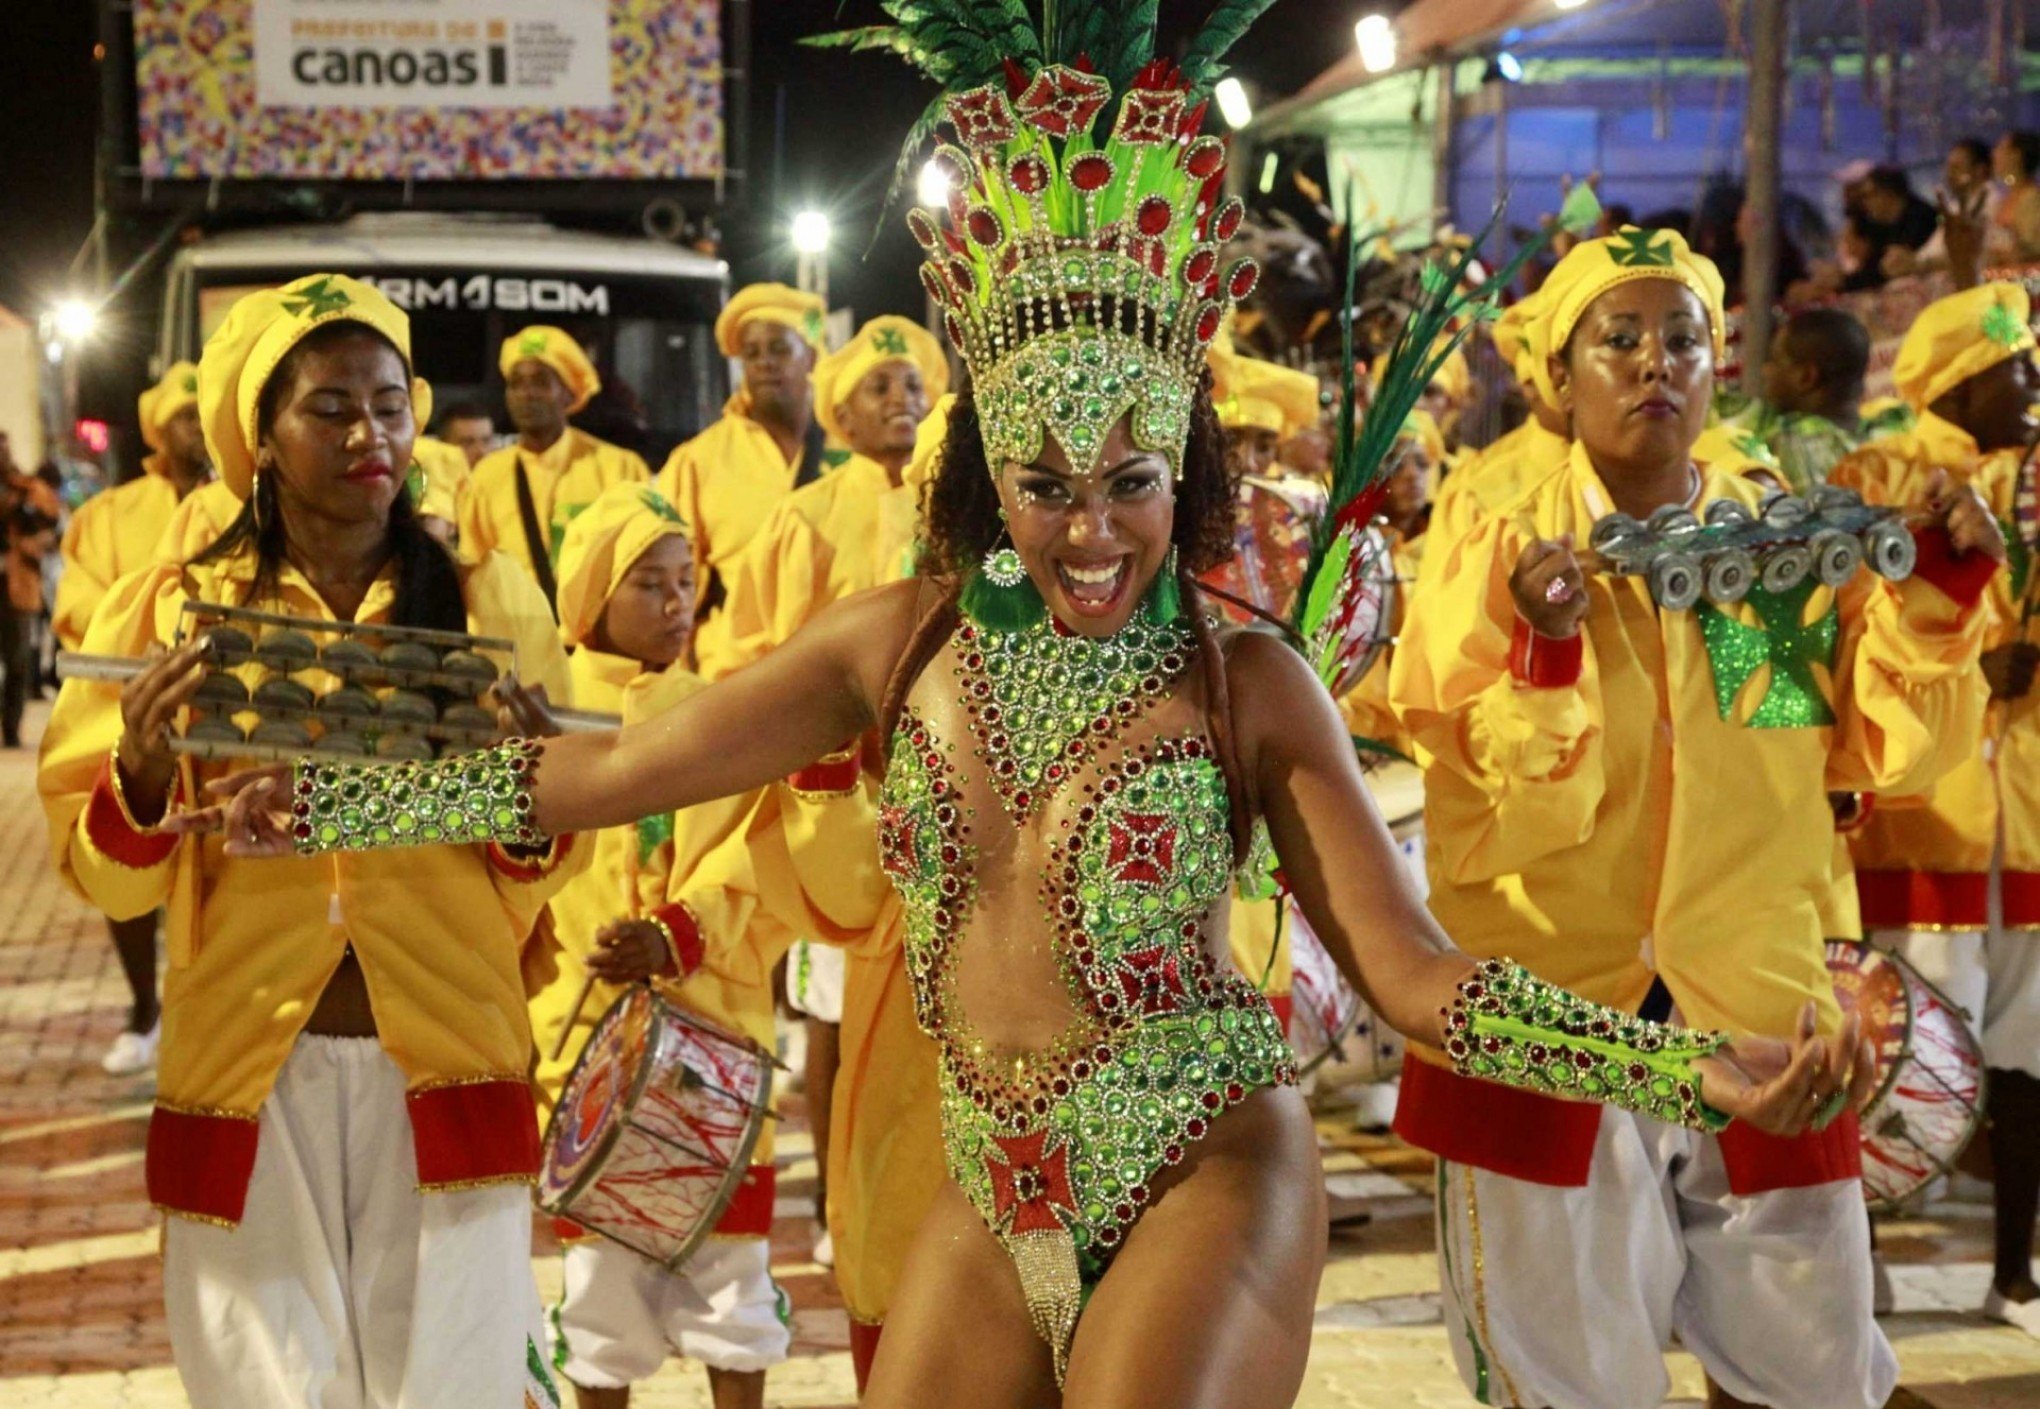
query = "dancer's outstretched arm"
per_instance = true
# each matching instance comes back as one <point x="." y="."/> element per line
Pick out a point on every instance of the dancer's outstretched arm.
<point x="1494" y="1020"/>
<point x="801" y="701"/>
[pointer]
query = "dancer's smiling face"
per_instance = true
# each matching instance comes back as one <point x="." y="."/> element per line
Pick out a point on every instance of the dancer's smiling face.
<point x="1093" y="536"/>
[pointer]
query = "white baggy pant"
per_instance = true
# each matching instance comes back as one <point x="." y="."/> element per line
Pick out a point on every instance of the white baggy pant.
<point x="622" y="1314"/>
<point x="814" y="980"/>
<point x="1568" y="1297"/>
<point x="345" y="1287"/>
<point x="1992" y="975"/>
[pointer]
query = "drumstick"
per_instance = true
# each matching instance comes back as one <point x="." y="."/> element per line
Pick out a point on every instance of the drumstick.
<point x="574" y="1016"/>
<point x="630" y="910"/>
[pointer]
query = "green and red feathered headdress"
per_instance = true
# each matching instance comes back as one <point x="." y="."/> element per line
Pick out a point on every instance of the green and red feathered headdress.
<point x="1077" y="260"/>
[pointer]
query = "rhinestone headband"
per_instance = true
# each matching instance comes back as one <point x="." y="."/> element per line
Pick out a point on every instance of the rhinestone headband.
<point x="1081" y="281"/>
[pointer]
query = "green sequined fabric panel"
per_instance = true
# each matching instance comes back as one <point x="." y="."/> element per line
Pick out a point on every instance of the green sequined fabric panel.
<point x="1509" y="1026"/>
<point x="922" y="848"/>
<point x="1089" y="1163"/>
<point x="1157" y="856"/>
<point x="1786" y="645"/>
<point x="479" y="797"/>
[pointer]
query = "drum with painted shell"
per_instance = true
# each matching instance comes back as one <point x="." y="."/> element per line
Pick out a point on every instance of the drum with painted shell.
<point x="654" y="1129"/>
<point x="1929" y="1094"/>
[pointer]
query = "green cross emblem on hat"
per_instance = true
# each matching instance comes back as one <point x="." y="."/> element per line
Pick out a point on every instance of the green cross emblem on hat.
<point x="1641" y="249"/>
<point x="811" y="323"/>
<point x="532" y="344"/>
<point x="891" y="341"/>
<point x="317" y="299"/>
<point x="2002" y="326"/>
<point x="190" y="384"/>
<point x="656" y="502"/>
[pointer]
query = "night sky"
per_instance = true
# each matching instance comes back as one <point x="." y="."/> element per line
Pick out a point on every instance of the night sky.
<point x="844" y="116"/>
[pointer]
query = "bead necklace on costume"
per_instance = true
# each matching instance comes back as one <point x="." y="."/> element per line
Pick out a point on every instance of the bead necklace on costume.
<point x="1043" y="698"/>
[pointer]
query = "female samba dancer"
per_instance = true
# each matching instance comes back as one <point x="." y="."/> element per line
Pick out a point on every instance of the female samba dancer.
<point x="1077" y="761"/>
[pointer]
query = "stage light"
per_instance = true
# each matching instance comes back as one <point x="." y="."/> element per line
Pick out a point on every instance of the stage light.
<point x="1233" y="104"/>
<point x="931" y="187"/>
<point x="75" y="320"/>
<point x="811" y="232"/>
<point x="1375" y="35"/>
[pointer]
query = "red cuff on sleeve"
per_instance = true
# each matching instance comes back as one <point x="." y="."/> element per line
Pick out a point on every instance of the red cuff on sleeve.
<point x="113" y="830"/>
<point x="526" y="869"/>
<point x="1962" y="577"/>
<point x="1547" y="662"/>
<point x="683" y="939"/>
<point x="835" y="774"/>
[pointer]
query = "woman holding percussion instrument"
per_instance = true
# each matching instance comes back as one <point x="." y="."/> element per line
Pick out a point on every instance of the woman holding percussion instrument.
<point x="1077" y="761"/>
<point x="1633" y="801"/>
<point x="344" y="1132"/>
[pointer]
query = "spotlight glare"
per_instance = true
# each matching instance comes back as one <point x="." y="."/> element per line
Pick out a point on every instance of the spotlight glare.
<point x="811" y="232"/>
<point x="931" y="187"/>
<point x="1233" y="104"/>
<point x="1375" y="34"/>
<point x="75" y="320"/>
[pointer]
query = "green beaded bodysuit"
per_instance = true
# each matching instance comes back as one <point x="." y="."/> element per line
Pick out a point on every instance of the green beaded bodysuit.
<point x="1057" y="1147"/>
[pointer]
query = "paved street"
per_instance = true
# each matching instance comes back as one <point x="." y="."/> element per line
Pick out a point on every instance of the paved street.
<point x="80" y="1317"/>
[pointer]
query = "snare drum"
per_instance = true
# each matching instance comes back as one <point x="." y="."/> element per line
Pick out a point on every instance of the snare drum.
<point x="654" y="1128"/>
<point x="1929" y="1100"/>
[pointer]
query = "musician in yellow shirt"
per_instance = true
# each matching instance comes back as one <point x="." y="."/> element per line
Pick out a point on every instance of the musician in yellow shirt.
<point x="1620" y="796"/>
<point x="870" y="1070"/>
<point x="522" y="497"/>
<point x="627" y="605"/>
<point x="1951" y="879"/>
<point x="112" y="534"/>
<point x="343" y="1131"/>
<point x="767" y="443"/>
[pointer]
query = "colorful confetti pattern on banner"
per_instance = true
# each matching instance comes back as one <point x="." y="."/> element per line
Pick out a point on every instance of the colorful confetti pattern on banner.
<point x="198" y="115"/>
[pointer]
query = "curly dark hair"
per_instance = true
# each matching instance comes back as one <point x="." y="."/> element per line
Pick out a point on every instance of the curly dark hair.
<point x="961" y="505"/>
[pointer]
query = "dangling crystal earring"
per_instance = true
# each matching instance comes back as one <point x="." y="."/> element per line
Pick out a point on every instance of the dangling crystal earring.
<point x="1003" y="567"/>
<point x="1000" y="596"/>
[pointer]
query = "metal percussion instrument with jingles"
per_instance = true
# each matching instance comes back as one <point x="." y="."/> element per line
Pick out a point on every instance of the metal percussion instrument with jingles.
<point x="654" y="1129"/>
<point x="1930" y="1075"/>
<point x="1728" y="550"/>
<point x="278" y="688"/>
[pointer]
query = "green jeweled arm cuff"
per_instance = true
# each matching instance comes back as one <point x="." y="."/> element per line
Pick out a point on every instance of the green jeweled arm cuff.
<point x="1508" y="1025"/>
<point x="480" y="797"/>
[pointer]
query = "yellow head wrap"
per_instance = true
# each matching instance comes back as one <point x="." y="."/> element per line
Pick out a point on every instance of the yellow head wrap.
<point x="177" y="390"/>
<point x="556" y="348"/>
<point x="1250" y="394"/>
<point x="1421" y="427"/>
<point x="600" y="546"/>
<point x="884" y="339"/>
<point x="1523" y="337"/>
<point x="775" y="303"/>
<point x="927" y="460"/>
<point x="1956" y="337"/>
<point x="1596" y="266"/>
<point x="243" y="353"/>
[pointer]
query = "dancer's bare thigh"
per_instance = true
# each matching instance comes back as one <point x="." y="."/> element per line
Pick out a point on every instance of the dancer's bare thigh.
<point x="1210" y="1302"/>
<point x="958" y="1331"/>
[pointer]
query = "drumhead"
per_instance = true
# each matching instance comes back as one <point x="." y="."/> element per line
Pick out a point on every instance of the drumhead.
<point x="1868" y="982"/>
<point x="600" y="1090"/>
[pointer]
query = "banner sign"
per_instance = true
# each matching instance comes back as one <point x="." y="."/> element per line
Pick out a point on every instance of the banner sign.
<point x="452" y="53"/>
<point x="433" y="90"/>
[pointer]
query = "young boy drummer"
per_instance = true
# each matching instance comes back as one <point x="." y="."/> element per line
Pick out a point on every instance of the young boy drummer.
<point x="703" y="903"/>
<point x="626" y="599"/>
